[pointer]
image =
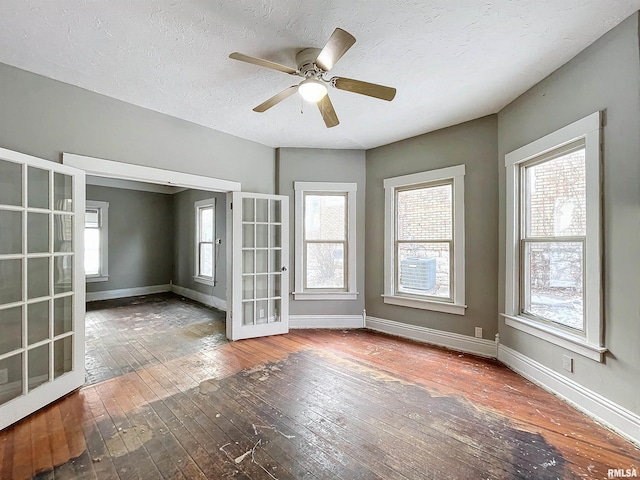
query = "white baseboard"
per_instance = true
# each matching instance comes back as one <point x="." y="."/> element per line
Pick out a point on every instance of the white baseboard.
<point x="603" y="410"/>
<point x="326" y="321"/>
<point x="203" y="298"/>
<point x="127" y="292"/>
<point x="455" y="341"/>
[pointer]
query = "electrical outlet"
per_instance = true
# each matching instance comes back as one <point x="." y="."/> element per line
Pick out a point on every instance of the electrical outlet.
<point x="262" y="313"/>
<point x="567" y="363"/>
<point x="478" y="332"/>
<point x="4" y="376"/>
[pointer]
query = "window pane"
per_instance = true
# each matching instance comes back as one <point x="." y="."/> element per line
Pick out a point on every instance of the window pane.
<point x="11" y="328"/>
<point x="38" y="187"/>
<point x="12" y="389"/>
<point x="325" y="265"/>
<point x="11" y="232"/>
<point x="425" y="213"/>
<point x="206" y="259"/>
<point x="324" y="217"/>
<point x="37" y="232"/>
<point x="553" y="282"/>
<point x="423" y="269"/>
<point x="206" y="224"/>
<point x="10" y="183"/>
<point x="91" y="251"/>
<point x="555" y="195"/>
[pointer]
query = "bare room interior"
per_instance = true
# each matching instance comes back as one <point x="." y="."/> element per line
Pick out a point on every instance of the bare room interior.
<point x="282" y="240"/>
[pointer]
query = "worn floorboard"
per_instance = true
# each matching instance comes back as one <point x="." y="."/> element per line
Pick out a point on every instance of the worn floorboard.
<point x="167" y="397"/>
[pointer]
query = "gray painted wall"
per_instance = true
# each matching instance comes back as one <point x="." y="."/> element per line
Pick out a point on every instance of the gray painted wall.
<point x="140" y="238"/>
<point x="44" y="117"/>
<point x="314" y="165"/>
<point x="184" y="246"/>
<point x="473" y="144"/>
<point x="605" y="76"/>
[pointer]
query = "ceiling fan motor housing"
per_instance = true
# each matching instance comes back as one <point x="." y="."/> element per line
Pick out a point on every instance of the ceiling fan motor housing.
<point x="305" y="60"/>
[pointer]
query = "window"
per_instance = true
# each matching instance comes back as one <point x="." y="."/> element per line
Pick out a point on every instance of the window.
<point x="96" y="240"/>
<point x="325" y="266"/>
<point x="424" y="240"/>
<point x="205" y="241"/>
<point x="553" y="238"/>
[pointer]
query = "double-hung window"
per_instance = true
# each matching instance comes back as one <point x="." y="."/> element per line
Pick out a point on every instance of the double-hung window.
<point x="325" y="267"/>
<point x="553" y="238"/>
<point x="424" y="240"/>
<point x="205" y="235"/>
<point x="96" y="241"/>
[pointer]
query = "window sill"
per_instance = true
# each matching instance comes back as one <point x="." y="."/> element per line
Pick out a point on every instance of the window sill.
<point x="558" y="337"/>
<point x="325" y="295"/>
<point x="205" y="281"/>
<point x="104" y="278"/>
<point x="445" y="307"/>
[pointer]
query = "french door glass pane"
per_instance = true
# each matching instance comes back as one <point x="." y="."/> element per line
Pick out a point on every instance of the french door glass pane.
<point x="262" y="210"/>
<point x="424" y="269"/>
<point x="425" y="213"/>
<point x="262" y="258"/>
<point x="10" y="281"/>
<point x="261" y="311"/>
<point x="11" y="328"/>
<point x="261" y="286"/>
<point x="13" y="388"/>
<point x="37" y="277"/>
<point x="325" y="217"/>
<point x="275" y="211"/>
<point x="276" y="262"/>
<point x="274" y="285"/>
<point x="274" y="310"/>
<point x="63" y="233"/>
<point x="248" y="210"/>
<point x="37" y="232"/>
<point x="38" y="187"/>
<point x="262" y="236"/>
<point x="11" y="232"/>
<point x="325" y="265"/>
<point x="247" y="287"/>
<point x="37" y="322"/>
<point x="553" y="282"/>
<point x="247" y="261"/>
<point x="248" y="241"/>
<point x="62" y="315"/>
<point x="62" y="356"/>
<point x="10" y="183"/>
<point x="38" y="365"/>
<point x="206" y="259"/>
<point x="247" y="313"/>
<point x="63" y="274"/>
<point x="63" y="192"/>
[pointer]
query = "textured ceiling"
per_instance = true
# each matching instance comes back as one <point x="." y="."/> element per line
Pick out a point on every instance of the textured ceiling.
<point x="451" y="60"/>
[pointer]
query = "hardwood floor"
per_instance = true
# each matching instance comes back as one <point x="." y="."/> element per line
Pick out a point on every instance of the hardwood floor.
<point x="311" y="404"/>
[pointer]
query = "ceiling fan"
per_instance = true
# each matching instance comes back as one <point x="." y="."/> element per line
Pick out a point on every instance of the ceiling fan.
<point x="313" y="65"/>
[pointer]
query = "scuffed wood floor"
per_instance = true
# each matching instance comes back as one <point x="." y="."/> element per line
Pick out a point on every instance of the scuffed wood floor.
<point x="310" y="404"/>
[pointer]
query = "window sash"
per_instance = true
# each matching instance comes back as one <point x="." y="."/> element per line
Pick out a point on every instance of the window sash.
<point x="525" y="284"/>
<point x="345" y="260"/>
<point x="202" y="241"/>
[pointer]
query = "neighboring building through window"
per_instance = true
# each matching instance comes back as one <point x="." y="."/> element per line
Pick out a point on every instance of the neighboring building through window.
<point x="96" y="241"/>
<point x="325" y="216"/>
<point x="205" y="248"/>
<point x="553" y="240"/>
<point x="424" y="240"/>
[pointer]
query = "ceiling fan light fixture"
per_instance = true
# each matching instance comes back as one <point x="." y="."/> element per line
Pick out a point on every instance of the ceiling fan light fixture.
<point x="312" y="90"/>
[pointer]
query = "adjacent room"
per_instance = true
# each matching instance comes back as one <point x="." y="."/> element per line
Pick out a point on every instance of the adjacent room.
<point x="433" y="272"/>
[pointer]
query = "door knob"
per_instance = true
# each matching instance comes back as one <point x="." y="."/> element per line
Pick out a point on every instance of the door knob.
<point x="284" y="269"/>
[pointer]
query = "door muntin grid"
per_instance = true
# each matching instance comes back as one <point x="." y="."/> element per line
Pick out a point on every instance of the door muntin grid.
<point x="261" y="261"/>
<point x="36" y="277"/>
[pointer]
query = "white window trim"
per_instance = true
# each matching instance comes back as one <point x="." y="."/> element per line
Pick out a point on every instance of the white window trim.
<point x="325" y="187"/>
<point x="591" y="344"/>
<point x="209" y="202"/>
<point x="103" y="216"/>
<point x="456" y="174"/>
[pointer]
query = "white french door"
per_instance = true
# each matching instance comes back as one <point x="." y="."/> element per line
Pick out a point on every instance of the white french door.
<point x="41" y="283"/>
<point x="260" y="277"/>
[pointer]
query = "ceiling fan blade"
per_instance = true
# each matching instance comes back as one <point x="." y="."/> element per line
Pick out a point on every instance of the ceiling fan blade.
<point x="364" y="88"/>
<point x="339" y="42"/>
<point x="328" y="113"/>
<point x="263" y="63"/>
<point x="277" y="98"/>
